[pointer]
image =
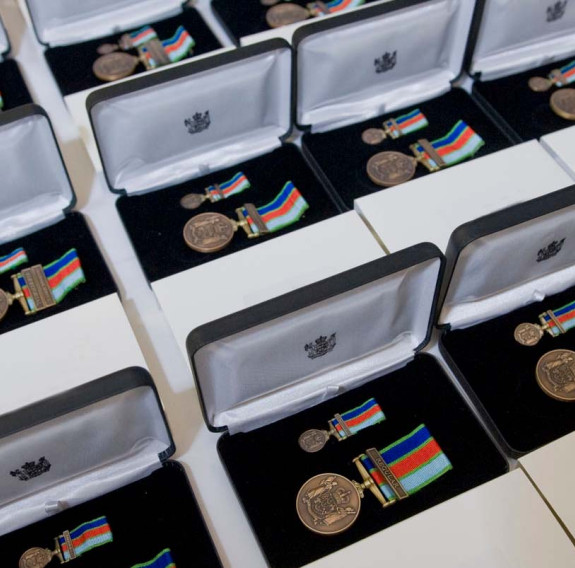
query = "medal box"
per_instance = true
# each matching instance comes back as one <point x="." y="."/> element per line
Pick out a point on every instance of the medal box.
<point x="512" y="43"/>
<point x="99" y="450"/>
<point x="72" y="32"/>
<point x="507" y="369"/>
<point x="13" y="89"/>
<point x="268" y="373"/>
<point x="396" y="58"/>
<point x="39" y="228"/>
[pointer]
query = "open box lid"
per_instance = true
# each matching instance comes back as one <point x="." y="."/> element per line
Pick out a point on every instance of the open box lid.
<point x="272" y="360"/>
<point x="509" y="259"/>
<point x="36" y="189"/>
<point x="79" y="445"/>
<point x="209" y="114"/>
<point x="4" y="41"/>
<point x="375" y="60"/>
<point x="64" y="22"/>
<point x="511" y="36"/>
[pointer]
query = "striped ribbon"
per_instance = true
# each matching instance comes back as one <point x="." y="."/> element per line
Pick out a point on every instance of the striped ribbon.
<point x="416" y="460"/>
<point x="341" y="5"/>
<point x="565" y="316"/>
<point x="86" y="537"/>
<point x="566" y="75"/>
<point x="287" y="208"/>
<point x="405" y="124"/>
<point x="459" y="144"/>
<point x="236" y="185"/>
<point x="179" y="46"/>
<point x="63" y="275"/>
<point x="163" y="560"/>
<point x="142" y="36"/>
<point x="365" y="415"/>
<point x="12" y="260"/>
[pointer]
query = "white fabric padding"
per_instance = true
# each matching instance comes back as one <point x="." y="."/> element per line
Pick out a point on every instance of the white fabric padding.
<point x="64" y="22"/>
<point x="337" y="79"/>
<point x="499" y="273"/>
<point x="265" y="373"/>
<point x="249" y="107"/>
<point x="91" y="451"/>
<point x="35" y="188"/>
<point x="4" y="41"/>
<point x="516" y="35"/>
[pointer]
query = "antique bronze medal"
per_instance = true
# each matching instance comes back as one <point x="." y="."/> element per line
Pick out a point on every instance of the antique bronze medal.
<point x="390" y="168"/>
<point x="563" y="103"/>
<point x="555" y="374"/>
<point x="209" y="232"/>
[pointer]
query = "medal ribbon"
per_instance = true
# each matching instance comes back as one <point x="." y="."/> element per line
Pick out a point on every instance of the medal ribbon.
<point x="231" y="187"/>
<point x="142" y="36"/>
<point x="63" y="275"/>
<point x="163" y="560"/>
<point x="406" y="124"/>
<point x="367" y="414"/>
<point x="287" y="208"/>
<point x="12" y="260"/>
<point x="459" y="144"/>
<point x="86" y="537"/>
<point x="567" y="72"/>
<point x="179" y="46"/>
<point x="565" y="316"/>
<point x="416" y="460"/>
<point x="341" y="5"/>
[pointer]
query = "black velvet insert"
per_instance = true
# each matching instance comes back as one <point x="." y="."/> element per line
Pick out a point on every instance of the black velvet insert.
<point x="501" y="372"/>
<point x="342" y="155"/>
<point x="527" y="112"/>
<point x="12" y="86"/>
<point x="72" y="64"/>
<point x="48" y="245"/>
<point x="246" y="17"/>
<point x="145" y="517"/>
<point x="155" y="221"/>
<point x="267" y="467"/>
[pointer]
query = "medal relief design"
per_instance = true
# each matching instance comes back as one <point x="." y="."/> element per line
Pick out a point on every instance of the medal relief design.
<point x="551" y="250"/>
<point x="30" y="470"/>
<point x="36" y="558"/>
<point x="198" y="123"/>
<point x="556" y="11"/>
<point x="386" y="62"/>
<point x="556" y="374"/>
<point x="321" y="346"/>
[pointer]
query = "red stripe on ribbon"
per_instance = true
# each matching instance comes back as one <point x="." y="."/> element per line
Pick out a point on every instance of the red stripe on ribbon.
<point x="99" y="531"/>
<point x="342" y="6"/>
<point x="294" y="196"/>
<point x="176" y="46"/>
<point x="359" y="419"/>
<point x="456" y="144"/>
<point x="409" y="122"/>
<point x="232" y="187"/>
<point x="55" y="279"/>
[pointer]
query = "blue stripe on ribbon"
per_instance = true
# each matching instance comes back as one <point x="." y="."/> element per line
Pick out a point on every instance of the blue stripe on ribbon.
<point x="359" y="410"/>
<point x="407" y="446"/>
<point x="54" y="267"/>
<point x="278" y="201"/>
<point x="452" y="136"/>
<point x="95" y="524"/>
<point x="407" y="117"/>
<point x="563" y="310"/>
<point x="231" y="182"/>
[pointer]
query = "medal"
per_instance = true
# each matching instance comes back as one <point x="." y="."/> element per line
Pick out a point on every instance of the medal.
<point x="563" y="103"/>
<point x="216" y="192"/>
<point x="70" y="544"/>
<point x="392" y="168"/>
<point x="343" y="426"/>
<point x="330" y="503"/>
<point x="152" y="53"/>
<point x="555" y="374"/>
<point x="211" y="232"/>
<point x="289" y="13"/>
<point x="396" y="127"/>
<point x="557" y="77"/>
<point x="41" y="287"/>
<point x="554" y="322"/>
<point x="162" y="560"/>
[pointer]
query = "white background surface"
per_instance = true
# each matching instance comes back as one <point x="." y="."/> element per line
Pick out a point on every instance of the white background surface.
<point x="508" y="525"/>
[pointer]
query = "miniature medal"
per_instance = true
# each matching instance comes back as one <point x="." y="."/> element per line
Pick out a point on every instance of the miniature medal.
<point x="285" y="14"/>
<point x="554" y="322"/>
<point x="539" y="84"/>
<point x="557" y="77"/>
<point x="211" y="232"/>
<point x="396" y="127"/>
<point x="343" y="426"/>
<point x="563" y="103"/>
<point x="330" y="503"/>
<point x="555" y="374"/>
<point x="216" y="192"/>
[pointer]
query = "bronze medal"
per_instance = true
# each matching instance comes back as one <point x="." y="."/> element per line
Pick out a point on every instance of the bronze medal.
<point x="192" y="200"/>
<point x="5" y="303"/>
<point x="209" y="232"/>
<point x="36" y="558"/>
<point x="528" y="334"/>
<point x="107" y="48"/>
<point x="328" y="503"/>
<point x="563" y="103"/>
<point x="373" y="136"/>
<point x="539" y="84"/>
<point x="555" y="374"/>
<point x="286" y="14"/>
<point x="313" y="440"/>
<point x="114" y="66"/>
<point x="390" y="168"/>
